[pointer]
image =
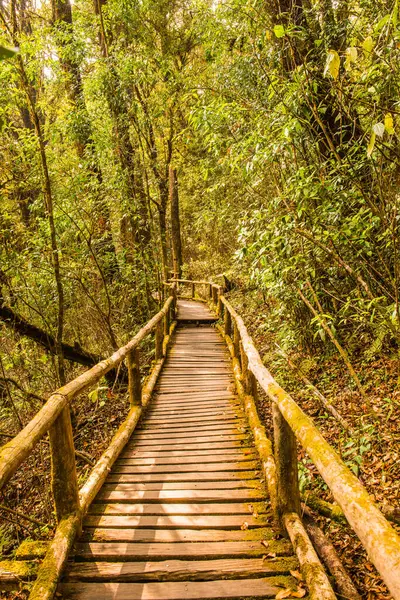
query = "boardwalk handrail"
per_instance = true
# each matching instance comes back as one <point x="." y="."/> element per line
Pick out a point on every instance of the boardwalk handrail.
<point x="374" y="531"/>
<point x="71" y="504"/>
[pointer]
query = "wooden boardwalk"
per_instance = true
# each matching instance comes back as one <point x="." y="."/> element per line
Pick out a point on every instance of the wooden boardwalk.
<point x="183" y="513"/>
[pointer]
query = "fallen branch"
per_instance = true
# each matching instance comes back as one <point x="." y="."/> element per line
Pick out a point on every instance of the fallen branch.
<point x="85" y="457"/>
<point x="23" y="327"/>
<point x="25" y="391"/>
<point x="22" y="516"/>
<point x="330" y="558"/>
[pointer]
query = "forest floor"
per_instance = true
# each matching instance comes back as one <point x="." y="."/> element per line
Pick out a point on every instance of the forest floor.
<point x="373" y="452"/>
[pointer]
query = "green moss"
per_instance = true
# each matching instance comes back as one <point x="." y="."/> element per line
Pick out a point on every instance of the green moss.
<point x="30" y="549"/>
<point x="19" y="569"/>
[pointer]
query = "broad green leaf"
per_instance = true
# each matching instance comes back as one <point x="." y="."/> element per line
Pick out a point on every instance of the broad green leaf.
<point x="7" y="52"/>
<point x="351" y="57"/>
<point x="379" y="129"/>
<point x="395" y="14"/>
<point x="368" y="44"/>
<point x="279" y="31"/>
<point x="332" y="64"/>
<point x="389" y="124"/>
<point x="371" y="144"/>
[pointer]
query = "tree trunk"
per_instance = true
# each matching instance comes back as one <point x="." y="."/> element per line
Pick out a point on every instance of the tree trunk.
<point x="175" y="222"/>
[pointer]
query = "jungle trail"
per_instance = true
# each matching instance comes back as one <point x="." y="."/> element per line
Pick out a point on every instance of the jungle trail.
<point x="189" y="500"/>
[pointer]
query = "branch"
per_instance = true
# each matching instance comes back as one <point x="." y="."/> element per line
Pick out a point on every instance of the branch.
<point x="23" y="327"/>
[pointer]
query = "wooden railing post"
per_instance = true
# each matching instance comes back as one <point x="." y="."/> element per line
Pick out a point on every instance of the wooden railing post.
<point x="174" y="294"/>
<point x="159" y="338"/>
<point x="215" y="295"/>
<point x="134" y="383"/>
<point x="64" y="481"/>
<point x="285" y="449"/>
<point x="227" y="323"/>
<point x="210" y="291"/>
<point x="166" y="322"/>
<point x="193" y="290"/>
<point x="236" y="340"/>
<point x="220" y="310"/>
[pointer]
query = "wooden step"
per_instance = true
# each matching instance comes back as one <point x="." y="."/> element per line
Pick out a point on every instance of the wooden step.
<point x="241" y="495"/>
<point x="267" y="587"/>
<point x="206" y="439"/>
<point x="184" y="508"/>
<point x="183" y="452"/>
<point x="201" y="468"/>
<point x="177" y="521"/>
<point x="183" y="460"/>
<point x="104" y="534"/>
<point x="179" y="550"/>
<point x="144" y="482"/>
<point x="180" y="570"/>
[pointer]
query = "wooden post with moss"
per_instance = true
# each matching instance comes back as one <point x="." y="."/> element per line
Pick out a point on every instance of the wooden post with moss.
<point x="166" y="322"/>
<point x="174" y="294"/>
<point x="64" y="481"/>
<point x="220" y="310"/>
<point x="134" y="383"/>
<point x="227" y="323"/>
<point x="193" y="290"/>
<point x="236" y="340"/>
<point x="159" y="337"/>
<point x="285" y="448"/>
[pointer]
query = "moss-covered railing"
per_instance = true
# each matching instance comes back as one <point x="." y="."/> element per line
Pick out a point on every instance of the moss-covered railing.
<point x="280" y="465"/>
<point x="72" y="503"/>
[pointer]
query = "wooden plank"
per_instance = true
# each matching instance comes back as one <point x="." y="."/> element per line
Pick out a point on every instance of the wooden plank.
<point x="181" y="460"/>
<point x="101" y="534"/>
<point x="174" y="570"/>
<point x="193" y="421"/>
<point x="207" y="396"/>
<point x="193" y="402"/>
<point x="183" y="452"/>
<point x="177" y="477"/>
<point x="173" y="496"/>
<point x="196" y="388"/>
<point x="179" y="550"/>
<point x="200" y="468"/>
<point x="193" y="410"/>
<point x="229" y="426"/>
<point x="176" y="521"/>
<point x="123" y="482"/>
<point x="161" y="508"/>
<point x="218" y="444"/>
<point x="174" y="419"/>
<point x="223" y="590"/>
<point x="232" y="429"/>
<point x="193" y="440"/>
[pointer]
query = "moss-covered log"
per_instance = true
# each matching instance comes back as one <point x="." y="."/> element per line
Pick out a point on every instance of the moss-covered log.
<point x="313" y="573"/>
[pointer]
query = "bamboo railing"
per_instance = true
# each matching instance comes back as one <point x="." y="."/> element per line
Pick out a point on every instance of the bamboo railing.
<point x="292" y="425"/>
<point x="70" y="502"/>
